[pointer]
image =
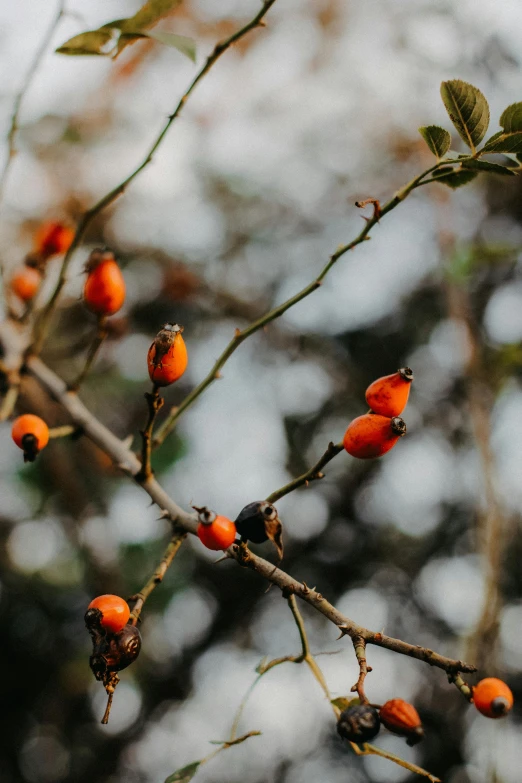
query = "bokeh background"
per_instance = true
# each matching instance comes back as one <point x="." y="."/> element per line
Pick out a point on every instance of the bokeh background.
<point x="250" y="192"/>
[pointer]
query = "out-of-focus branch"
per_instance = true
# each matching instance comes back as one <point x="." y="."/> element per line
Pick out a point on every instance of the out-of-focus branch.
<point x="129" y="463"/>
<point x="154" y="403"/>
<point x="242" y="334"/>
<point x="313" y="474"/>
<point x="219" y="49"/>
<point x="13" y="127"/>
<point x="101" y="334"/>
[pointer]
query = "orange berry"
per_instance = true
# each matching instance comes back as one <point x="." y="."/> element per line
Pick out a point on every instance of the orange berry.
<point x="52" y="239"/>
<point x="112" y="612"/>
<point x="104" y="290"/>
<point x="25" y="283"/>
<point x="388" y="395"/>
<point x="492" y="697"/>
<point x="167" y="358"/>
<point x="31" y="434"/>
<point x="402" y="718"/>
<point x="372" y="435"/>
<point x="215" y="532"/>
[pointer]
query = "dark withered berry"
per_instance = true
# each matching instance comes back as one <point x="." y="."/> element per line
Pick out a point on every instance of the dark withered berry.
<point x="259" y="522"/>
<point x="114" y="652"/>
<point x="359" y="723"/>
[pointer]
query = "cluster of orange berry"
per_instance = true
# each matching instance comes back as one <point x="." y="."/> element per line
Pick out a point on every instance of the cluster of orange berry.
<point x="52" y="239"/>
<point x="362" y="722"/>
<point x="375" y="433"/>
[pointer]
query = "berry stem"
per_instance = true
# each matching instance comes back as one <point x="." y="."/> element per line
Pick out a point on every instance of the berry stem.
<point x="155" y="403"/>
<point x="313" y="474"/>
<point x="157" y="577"/>
<point x="359" y="645"/>
<point x="101" y="334"/>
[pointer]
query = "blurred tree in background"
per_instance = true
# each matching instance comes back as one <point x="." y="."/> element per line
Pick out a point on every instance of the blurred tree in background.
<point x="249" y="193"/>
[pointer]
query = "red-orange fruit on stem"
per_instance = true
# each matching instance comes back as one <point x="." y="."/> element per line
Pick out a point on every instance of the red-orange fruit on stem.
<point x="402" y="718"/>
<point x="25" y="283"/>
<point x="31" y="434"/>
<point x="372" y="435"/>
<point x="167" y="357"/>
<point x="52" y="239"/>
<point x="104" y="291"/>
<point x="214" y="531"/>
<point x="108" y="611"/>
<point x="388" y="395"/>
<point x="492" y="697"/>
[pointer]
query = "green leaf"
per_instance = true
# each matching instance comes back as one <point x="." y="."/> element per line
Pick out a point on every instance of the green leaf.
<point x="111" y="38"/>
<point x="185" y="774"/>
<point x="186" y="46"/>
<point x="149" y="14"/>
<point x="437" y="139"/>
<point x="455" y="179"/>
<point x="343" y="702"/>
<point x="511" y="118"/>
<point x="504" y="142"/>
<point x="492" y="168"/>
<point x="468" y="110"/>
<point x="99" y="42"/>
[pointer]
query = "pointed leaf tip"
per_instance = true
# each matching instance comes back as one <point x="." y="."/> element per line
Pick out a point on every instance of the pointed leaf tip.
<point x="184" y="775"/>
<point x="468" y="110"/>
<point x="438" y="139"/>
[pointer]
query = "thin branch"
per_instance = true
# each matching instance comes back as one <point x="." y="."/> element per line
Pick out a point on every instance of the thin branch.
<point x="372" y="750"/>
<point x="313" y="474"/>
<point x="101" y="334"/>
<point x="9" y="401"/>
<point x="13" y="128"/>
<point x="242" y="334"/>
<point x="158" y="575"/>
<point x="155" y="403"/>
<point x="219" y="49"/>
<point x="129" y="463"/>
<point x="359" y="645"/>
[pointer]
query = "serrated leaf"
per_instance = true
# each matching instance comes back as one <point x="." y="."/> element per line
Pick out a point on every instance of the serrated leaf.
<point x="468" y="110"/>
<point x="492" y="168"/>
<point x="186" y="46"/>
<point x="93" y="42"/>
<point x="511" y="118"/>
<point x="504" y="142"/>
<point x="185" y="774"/>
<point x="438" y="139"/>
<point x="455" y="179"/>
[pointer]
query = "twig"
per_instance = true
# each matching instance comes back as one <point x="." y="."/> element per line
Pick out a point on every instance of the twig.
<point x="219" y="49"/>
<point x="101" y="334"/>
<point x="63" y="431"/>
<point x="372" y="750"/>
<point x="313" y="474"/>
<point x="155" y="403"/>
<point x="13" y="128"/>
<point x="9" y="401"/>
<point x="129" y="463"/>
<point x="359" y="645"/>
<point x="157" y="577"/>
<point x="241" y="335"/>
